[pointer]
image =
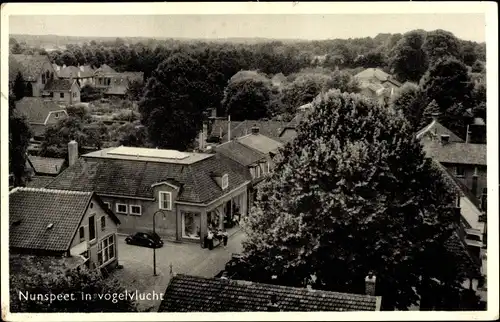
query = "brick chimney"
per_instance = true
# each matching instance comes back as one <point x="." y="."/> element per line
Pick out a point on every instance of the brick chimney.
<point x="72" y="152"/>
<point x="370" y="281"/>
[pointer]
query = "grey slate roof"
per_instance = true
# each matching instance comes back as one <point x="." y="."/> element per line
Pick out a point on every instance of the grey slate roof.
<point x="270" y="129"/>
<point x="133" y="178"/>
<point x="39" y="181"/>
<point x="261" y="143"/>
<point x="457" y="153"/>
<point x="240" y="153"/>
<point x="198" y="294"/>
<point x="31" y="210"/>
<point x="58" y="85"/>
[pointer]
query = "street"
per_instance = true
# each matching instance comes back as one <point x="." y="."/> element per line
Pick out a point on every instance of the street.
<point x="182" y="258"/>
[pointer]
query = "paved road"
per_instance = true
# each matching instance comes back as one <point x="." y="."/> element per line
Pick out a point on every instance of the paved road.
<point x="185" y="258"/>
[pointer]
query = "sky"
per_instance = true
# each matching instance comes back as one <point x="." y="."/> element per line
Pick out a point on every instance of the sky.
<point x="280" y="26"/>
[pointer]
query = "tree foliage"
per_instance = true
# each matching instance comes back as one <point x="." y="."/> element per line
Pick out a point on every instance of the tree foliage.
<point x="78" y="126"/>
<point x="19" y="137"/>
<point x="410" y="101"/>
<point x="353" y="194"/>
<point x="248" y="96"/>
<point x="441" y="43"/>
<point x="19" y="87"/>
<point x="449" y="84"/>
<point x="173" y="102"/>
<point x="81" y="282"/>
<point x="408" y="58"/>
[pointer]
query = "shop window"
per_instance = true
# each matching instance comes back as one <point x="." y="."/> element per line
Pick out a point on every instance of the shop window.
<point x="191" y="225"/>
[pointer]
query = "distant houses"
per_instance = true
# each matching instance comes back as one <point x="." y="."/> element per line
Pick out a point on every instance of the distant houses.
<point x="36" y="70"/>
<point x="41" y="113"/>
<point x="377" y="84"/>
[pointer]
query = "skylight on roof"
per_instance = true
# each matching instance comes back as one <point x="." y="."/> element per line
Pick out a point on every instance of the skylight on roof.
<point x="150" y="153"/>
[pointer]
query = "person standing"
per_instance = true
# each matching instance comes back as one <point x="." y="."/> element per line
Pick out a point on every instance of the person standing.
<point x="225" y="237"/>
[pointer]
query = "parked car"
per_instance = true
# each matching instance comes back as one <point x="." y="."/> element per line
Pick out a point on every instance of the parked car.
<point x="148" y="239"/>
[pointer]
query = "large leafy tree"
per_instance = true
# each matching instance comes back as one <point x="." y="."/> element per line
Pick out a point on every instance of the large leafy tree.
<point x="409" y="100"/>
<point x="80" y="283"/>
<point x="248" y="96"/>
<point x="407" y="58"/>
<point x="77" y="126"/>
<point x="173" y="102"/>
<point x="19" y="137"/>
<point x="441" y="43"/>
<point x="449" y="84"/>
<point x="353" y="194"/>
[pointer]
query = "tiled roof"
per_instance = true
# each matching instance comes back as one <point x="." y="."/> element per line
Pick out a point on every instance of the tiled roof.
<point x="104" y="69"/>
<point x="220" y="126"/>
<point x="457" y="153"/>
<point x="30" y="66"/>
<point x="240" y="153"/>
<point x="43" y="165"/>
<point x="39" y="181"/>
<point x="199" y="294"/>
<point x="37" y="109"/>
<point x="373" y="74"/>
<point x="24" y="263"/>
<point x="456" y="246"/>
<point x="58" y="85"/>
<point x="260" y="143"/>
<point x="434" y="131"/>
<point x="270" y="129"/>
<point x="76" y="72"/>
<point x="31" y="210"/>
<point x="133" y="178"/>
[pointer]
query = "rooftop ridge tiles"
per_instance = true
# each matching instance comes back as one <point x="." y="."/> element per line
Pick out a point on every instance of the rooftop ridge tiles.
<point x="59" y="191"/>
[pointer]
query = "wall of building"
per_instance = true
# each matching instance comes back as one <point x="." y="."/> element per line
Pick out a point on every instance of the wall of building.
<point x="111" y="228"/>
<point x="469" y="175"/>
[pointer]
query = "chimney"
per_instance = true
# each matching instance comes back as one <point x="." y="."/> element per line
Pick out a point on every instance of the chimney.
<point x="370" y="281"/>
<point x="72" y="152"/>
<point x="435" y="116"/>
<point x="81" y="68"/>
<point x="445" y="139"/>
<point x="214" y="112"/>
<point x="255" y="129"/>
<point x="474" y="182"/>
<point x="467" y="135"/>
<point x="64" y="66"/>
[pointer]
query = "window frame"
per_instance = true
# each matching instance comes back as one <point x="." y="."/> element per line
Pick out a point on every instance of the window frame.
<point x="135" y="214"/>
<point x="257" y="171"/>
<point x="459" y="175"/>
<point x="120" y="212"/>
<point x="225" y="181"/>
<point x="161" y="200"/>
<point x="108" y="204"/>
<point x="80" y="230"/>
<point x="101" y="249"/>
<point x="101" y="221"/>
<point x="61" y="95"/>
<point x="92" y="217"/>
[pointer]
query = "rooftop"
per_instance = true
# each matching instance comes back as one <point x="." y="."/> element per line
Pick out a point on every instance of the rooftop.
<point x="456" y="152"/>
<point x="30" y="66"/>
<point x="198" y="294"/>
<point x="435" y="129"/>
<point x="58" y="85"/>
<point x="43" y="165"/>
<point x="134" y="176"/>
<point x="261" y="143"/>
<point x="240" y="153"/>
<point x="33" y="210"/>
<point x="146" y="154"/>
<point x="37" y="109"/>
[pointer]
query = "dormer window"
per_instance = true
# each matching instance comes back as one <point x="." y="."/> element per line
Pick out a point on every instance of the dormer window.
<point x="225" y="181"/>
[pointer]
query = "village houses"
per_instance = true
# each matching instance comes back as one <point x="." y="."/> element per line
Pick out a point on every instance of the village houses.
<point x="377" y="84"/>
<point x="41" y="113"/>
<point x="73" y="226"/>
